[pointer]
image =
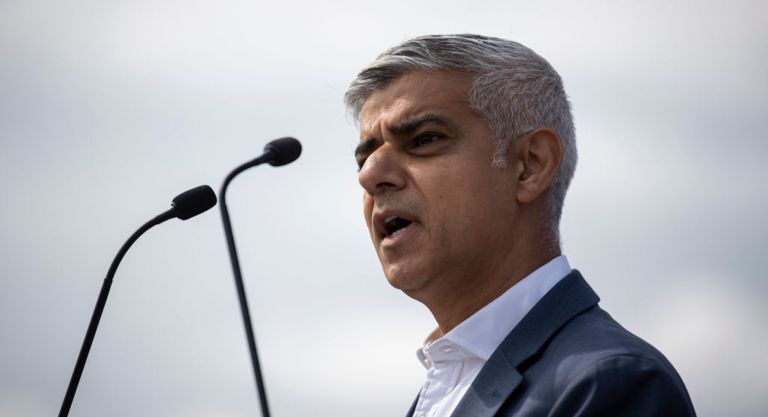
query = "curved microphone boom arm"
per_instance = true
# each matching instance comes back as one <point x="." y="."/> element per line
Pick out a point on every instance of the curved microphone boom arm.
<point x="186" y="205"/>
<point x="277" y="153"/>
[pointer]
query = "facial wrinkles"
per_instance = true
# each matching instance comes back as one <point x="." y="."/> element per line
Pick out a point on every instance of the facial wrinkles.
<point x="396" y="199"/>
<point x="399" y="199"/>
<point x="384" y="114"/>
<point x="384" y="110"/>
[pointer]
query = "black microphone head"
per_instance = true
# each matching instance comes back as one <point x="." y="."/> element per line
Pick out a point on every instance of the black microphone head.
<point x="283" y="151"/>
<point x="192" y="202"/>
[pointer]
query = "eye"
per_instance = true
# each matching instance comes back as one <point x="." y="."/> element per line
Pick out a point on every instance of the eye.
<point x="425" y="139"/>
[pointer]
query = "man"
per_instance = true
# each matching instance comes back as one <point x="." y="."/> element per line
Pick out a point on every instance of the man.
<point x="466" y="151"/>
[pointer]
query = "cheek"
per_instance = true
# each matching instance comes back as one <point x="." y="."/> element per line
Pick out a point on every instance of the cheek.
<point x="451" y="191"/>
<point x="468" y="205"/>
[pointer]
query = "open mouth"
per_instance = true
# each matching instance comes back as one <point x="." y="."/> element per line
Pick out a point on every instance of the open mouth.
<point x="395" y="225"/>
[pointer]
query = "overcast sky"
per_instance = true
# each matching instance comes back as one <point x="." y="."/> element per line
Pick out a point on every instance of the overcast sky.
<point x="108" y="109"/>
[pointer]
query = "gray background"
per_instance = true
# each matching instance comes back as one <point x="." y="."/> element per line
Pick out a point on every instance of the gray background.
<point x="108" y="109"/>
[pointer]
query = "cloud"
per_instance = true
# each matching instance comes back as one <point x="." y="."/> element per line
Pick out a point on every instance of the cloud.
<point x="713" y="331"/>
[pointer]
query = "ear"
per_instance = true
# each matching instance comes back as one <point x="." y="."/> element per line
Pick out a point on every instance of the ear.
<point x="540" y="154"/>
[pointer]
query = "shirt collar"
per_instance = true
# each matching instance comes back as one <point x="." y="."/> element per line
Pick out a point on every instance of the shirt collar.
<point x="481" y="333"/>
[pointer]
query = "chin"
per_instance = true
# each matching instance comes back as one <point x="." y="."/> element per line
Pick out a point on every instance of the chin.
<point x="410" y="282"/>
<point x="400" y="277"/>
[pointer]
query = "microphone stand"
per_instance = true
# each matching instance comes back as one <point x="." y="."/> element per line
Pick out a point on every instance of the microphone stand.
<point x="239" y="279"/>
<point x="100" y="302"/>
<point x="186" y="205"/>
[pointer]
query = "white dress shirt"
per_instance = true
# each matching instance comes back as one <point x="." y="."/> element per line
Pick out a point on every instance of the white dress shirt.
<point x="454" y="360"/>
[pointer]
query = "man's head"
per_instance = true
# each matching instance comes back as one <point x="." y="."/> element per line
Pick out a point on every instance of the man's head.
<point x="465" y="154"/>
<point x="514" y="89"/>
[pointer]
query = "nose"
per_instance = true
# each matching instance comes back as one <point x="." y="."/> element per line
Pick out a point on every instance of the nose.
<point x="382" y="171"/>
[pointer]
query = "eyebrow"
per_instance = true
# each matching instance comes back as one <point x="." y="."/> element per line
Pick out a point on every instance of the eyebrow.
<point x="410" y="125"/>
<point x="365" y="147"/>
<point x="403" y="128"/>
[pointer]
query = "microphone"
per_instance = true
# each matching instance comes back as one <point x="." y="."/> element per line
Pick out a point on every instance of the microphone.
<point x="192" y="202"/>
<point x="279" y="152"/>
<point x="186" y="205"/>
<point x="282" y="151"/>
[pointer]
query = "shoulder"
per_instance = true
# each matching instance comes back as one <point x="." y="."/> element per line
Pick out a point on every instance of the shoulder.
<point x="594" y="365"/>
<point x="623" y="385"/>
<point x="568" y="357"/>
<point x="594" y="336"/>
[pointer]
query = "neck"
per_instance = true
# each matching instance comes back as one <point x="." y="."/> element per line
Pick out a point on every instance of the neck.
<point x="472" y="293"/>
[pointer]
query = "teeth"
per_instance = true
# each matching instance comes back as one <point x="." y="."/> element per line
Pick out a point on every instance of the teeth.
<point x="397" y="232"/>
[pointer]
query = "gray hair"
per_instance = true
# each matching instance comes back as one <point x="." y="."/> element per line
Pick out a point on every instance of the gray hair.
<point x="514" y="90"/>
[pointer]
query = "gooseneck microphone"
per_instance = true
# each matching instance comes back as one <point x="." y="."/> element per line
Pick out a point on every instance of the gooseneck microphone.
<point x="186" y="205"/>
<point x="276" y="153"/>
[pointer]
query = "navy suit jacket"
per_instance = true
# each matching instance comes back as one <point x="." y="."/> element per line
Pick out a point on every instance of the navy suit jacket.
<point x="569" y="358"/>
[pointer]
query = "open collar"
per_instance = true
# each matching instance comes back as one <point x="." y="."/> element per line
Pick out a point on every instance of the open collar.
<point x="499" y="377"/>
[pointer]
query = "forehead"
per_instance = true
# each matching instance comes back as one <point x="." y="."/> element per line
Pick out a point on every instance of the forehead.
<point x="415" y="93"/>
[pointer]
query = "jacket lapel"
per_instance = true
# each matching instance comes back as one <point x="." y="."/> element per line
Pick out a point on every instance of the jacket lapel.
<point x="493" y="385"/>
<point x="499" y="376"/>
